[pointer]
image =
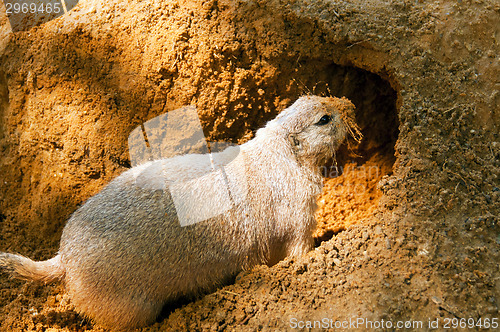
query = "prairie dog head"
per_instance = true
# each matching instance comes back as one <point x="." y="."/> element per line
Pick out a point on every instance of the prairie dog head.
<point x="315" y="127"/>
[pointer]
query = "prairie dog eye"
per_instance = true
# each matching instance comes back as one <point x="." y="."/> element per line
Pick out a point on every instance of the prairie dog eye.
<point x="324" y="120"/>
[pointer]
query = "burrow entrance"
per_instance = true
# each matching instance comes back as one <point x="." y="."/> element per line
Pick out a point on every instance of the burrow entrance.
<point x="352" y="197"/>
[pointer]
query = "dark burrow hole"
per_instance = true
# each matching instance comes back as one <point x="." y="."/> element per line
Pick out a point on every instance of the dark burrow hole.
<point x="350" y="195"/>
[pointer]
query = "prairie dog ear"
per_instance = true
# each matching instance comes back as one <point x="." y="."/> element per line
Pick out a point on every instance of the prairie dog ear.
<point x="292" y="138"/>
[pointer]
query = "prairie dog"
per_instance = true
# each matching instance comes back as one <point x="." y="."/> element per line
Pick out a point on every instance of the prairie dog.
<point x="124" y="253"/>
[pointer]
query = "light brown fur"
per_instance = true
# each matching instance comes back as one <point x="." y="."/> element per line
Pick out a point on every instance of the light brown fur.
<point x="123" y="254"/>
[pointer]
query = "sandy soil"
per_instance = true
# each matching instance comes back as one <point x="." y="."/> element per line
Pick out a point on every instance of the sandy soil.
<point x="409" y="231"/>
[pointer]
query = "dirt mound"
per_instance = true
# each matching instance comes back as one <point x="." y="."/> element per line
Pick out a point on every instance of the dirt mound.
<point x="408" y="232"/>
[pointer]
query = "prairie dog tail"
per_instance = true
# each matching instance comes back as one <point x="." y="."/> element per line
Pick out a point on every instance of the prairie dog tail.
<point x="21" y="267"/>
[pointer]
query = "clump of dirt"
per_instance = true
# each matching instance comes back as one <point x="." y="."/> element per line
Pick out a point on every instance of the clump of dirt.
<point x="420" y="242"/>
